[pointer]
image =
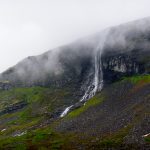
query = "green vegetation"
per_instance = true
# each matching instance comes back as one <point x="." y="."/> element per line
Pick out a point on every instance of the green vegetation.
<point x="43" y="138"/>
<point x="40" y="103"/>
<point x="32" y="95"/>
<point x="115" y="139"/>
<point x="138" y="78"/>
<point x="92" y="102"/>
<point x="15" y="95"/>
<point x="39" y="100"/>
<point x="147" y="139"/>
<point x="27" y="116"/>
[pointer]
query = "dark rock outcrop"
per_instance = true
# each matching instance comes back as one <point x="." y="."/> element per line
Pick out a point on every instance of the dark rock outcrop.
<point x="5" y="85"/>
<point x="125" y="52"/>
<point x="14" y="107"/>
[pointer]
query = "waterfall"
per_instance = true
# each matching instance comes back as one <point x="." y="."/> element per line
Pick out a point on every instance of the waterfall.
<point x="97" y="83"/>
<point x="66" y="111"/>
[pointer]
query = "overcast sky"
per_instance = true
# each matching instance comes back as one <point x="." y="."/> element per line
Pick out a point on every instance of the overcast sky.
<point x="31" y="27"/>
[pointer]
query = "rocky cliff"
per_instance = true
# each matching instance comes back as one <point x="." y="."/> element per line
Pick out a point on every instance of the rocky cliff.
<point x="125" y="52"/>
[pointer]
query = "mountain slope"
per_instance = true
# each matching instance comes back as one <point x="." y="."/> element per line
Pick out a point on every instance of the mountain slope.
<point x="36" y="91"/>
<point x="117" y="117"/>
<point x="120" y="114"/>
<point x="73" y="62"/>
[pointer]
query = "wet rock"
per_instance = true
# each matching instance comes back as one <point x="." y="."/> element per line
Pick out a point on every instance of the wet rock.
<point x="14" y="107"/>
<point x="77" y="105"/>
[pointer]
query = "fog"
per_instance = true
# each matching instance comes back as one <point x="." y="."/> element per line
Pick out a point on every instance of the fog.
<point x="31" y="27"/>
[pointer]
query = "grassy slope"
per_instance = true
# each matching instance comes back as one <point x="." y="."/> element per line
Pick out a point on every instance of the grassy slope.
<point x="117" y="110"/>
<point x="41" y="104"/>
<point x="91" y="103"/>
<point x="66" y="133"/>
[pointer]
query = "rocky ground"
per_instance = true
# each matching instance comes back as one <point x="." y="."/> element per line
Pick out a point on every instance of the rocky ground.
<point x="123" y="115"/>
<point x="116" y="118"/>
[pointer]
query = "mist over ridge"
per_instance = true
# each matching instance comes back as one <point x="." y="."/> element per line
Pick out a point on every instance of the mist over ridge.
<point x="73" y="58"/>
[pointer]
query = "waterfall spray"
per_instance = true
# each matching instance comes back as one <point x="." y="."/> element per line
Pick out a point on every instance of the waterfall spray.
<point x="97" y="82"/>
<point x="66" y="111"/>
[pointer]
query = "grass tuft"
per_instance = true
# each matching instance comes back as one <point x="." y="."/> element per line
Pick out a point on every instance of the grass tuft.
<point x="92" y="102"/>
<point x="138" y="78"/>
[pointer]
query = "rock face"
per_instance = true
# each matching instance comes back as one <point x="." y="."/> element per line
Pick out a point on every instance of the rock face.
<point x="14" y="107"/>
<point x="125" y="52"/>
<point x="60" y="67"/>
<point x="119" y="64"/>
<point x="5" y="85"/>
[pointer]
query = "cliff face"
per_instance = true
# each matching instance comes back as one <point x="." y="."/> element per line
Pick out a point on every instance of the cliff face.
<point x="64" y="66"/>
<point x="116" y="65"/>
<point x="125" y="52"/>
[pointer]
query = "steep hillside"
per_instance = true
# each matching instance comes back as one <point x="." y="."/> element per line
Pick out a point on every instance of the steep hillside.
<point x="125" y="49"/>
<point x="91" y="94"/>
<point x="119" y="116"/>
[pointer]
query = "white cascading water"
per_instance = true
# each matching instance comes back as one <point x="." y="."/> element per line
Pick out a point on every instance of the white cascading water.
<point x="97" y="82"/>
<point x="66" y="111"/>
